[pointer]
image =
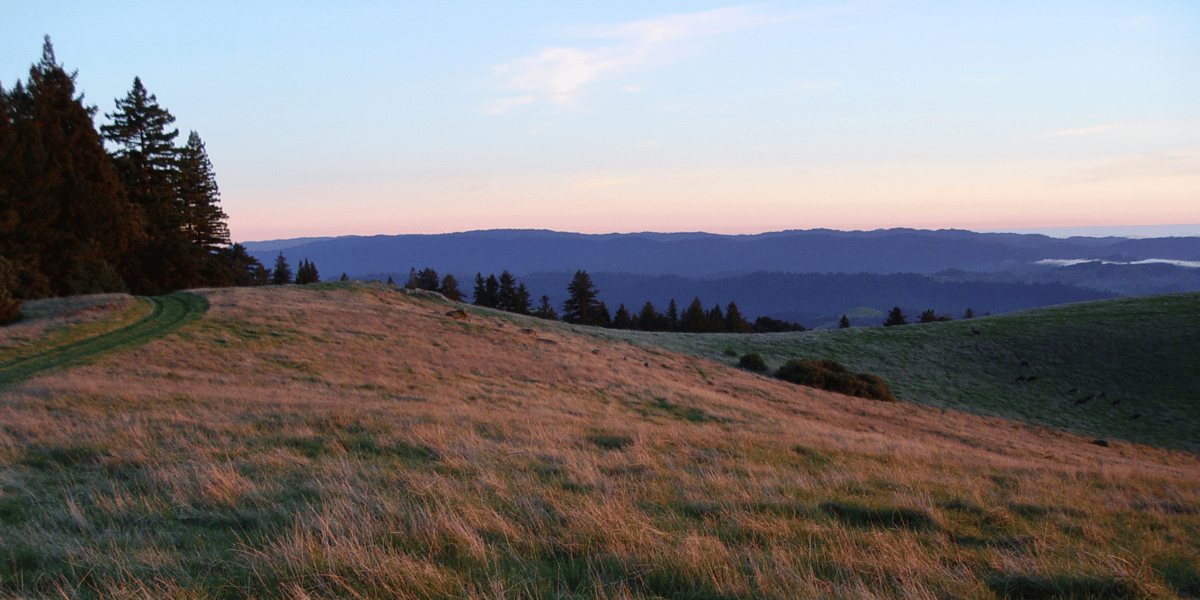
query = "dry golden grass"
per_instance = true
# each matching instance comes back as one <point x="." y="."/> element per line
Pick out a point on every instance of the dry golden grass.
<point x="345" y="441"/>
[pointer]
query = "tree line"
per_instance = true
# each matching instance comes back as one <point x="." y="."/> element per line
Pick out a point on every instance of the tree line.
<point x="78" y="218"/>
<point x="583" y="306"/>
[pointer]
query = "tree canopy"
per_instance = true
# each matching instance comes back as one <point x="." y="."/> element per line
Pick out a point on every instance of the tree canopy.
<point x="76" y="218"/>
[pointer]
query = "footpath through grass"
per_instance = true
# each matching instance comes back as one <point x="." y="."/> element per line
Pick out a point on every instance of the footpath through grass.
<point x="170" y="313"/>
<point x="1124" y="368"/>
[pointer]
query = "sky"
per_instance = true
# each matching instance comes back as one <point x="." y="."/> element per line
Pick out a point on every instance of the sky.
<point x="365" y="118"/>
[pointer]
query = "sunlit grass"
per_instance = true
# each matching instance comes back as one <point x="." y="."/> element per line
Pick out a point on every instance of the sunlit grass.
<point x="345" y="441"/>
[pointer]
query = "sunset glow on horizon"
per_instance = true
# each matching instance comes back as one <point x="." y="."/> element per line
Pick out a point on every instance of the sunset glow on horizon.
<point x="326" y="119"/>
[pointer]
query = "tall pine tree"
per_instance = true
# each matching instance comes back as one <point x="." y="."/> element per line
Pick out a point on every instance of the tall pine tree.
<point x="64" y="220"/>
<point x="581" y="306"/>
<point x="203" y="219"/>
<point x="147" y="161"/>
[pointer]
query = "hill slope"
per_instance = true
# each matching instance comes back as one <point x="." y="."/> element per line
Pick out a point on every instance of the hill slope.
<point x="348" y="441"/>
<point x="1122" y="368"/>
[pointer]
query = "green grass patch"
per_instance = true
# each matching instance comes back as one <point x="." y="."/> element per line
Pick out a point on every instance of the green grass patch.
<point x="169" y="314"/>
<point x="1115" y="369"/>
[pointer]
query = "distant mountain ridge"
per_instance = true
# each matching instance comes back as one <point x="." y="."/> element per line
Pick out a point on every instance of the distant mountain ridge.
<point x="808" y="276"/>
<point x="704" y="254"/>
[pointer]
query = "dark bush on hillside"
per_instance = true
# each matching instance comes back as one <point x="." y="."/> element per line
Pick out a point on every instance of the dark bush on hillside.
<point x="829" y="375"/>
<point x="753" y="362"/>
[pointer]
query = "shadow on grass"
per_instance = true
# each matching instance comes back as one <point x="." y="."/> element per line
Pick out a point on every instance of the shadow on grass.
<point x="888" y="518"/>
<point x="1048" y="587"/>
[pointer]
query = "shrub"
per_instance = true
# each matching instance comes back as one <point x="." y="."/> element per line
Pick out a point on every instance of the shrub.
<point x="829" y="375"/>
<point x="753" y="362"/>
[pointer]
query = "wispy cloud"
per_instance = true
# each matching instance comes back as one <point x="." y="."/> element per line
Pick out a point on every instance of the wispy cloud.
<point x="558" y="75"/>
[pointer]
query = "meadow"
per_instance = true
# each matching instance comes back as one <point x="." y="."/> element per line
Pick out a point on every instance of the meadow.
<point x="1124" y="368"/>
<point x="349" y="441"/>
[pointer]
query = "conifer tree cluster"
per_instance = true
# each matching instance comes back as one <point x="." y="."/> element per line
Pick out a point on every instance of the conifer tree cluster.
<point x="77" y="219"/>
<point x="427" y="279"/>
<point x="306" y="273"/>
<point x="583" y="307"/>
<point x="503" y="293"/>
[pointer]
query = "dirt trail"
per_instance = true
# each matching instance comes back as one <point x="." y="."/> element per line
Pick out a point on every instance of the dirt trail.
<point x="170" y="313"/>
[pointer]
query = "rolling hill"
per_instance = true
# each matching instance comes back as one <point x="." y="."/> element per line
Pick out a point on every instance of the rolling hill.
<point x="1123" y="368"/>
<point x="347" y="440"/>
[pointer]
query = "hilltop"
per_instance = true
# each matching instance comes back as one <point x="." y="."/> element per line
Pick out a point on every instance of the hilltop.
<point x="346" y="440"/>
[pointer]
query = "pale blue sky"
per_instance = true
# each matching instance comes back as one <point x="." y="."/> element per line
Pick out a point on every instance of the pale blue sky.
<point x="424" y="117"/>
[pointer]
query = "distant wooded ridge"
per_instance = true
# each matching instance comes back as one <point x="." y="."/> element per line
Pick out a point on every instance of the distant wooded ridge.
<point x="810" y="277"/>
<point x="704" y="254"/>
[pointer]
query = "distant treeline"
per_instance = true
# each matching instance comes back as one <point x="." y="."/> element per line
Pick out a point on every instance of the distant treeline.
<point x="76" y="218"/>
<point x="584" y="308"/>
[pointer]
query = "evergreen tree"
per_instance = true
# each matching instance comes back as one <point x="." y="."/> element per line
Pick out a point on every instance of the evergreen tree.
<point x="765" y="324"/>
<point x="147" y="162"/>
<point x="603" y="317"/>
<point x="427" y="279"/>
<point x="545" y="310"/>
<point x="694" y="319"/>
<point x="621" y="319"/>
<point x="240" y="268"/>
<point x="449" y="288"/>
<point x="672" y="316"/>
<point x="491" y="288"/>
<point x="391" y="281"/>
<point x="581" y="306"/>
<point x="521" y="300"/>
<point x="203" y="219"/>
<point x="735" y="322"/>
<point x="412" y="282"/>
<point x="65" y="222"/>
<point x="344" y="277"/>
<point x="479" y="295"/>
<point x="307" y="273"/>
<point x="648" y="319"/>
<point x="844" y="323"/>
<point x="970" y="314"/>
<point x="715" y="320"/>
<point x="506" y="292"/>
<point x="283" y="273"/>
<point x="10" y="306"/>
<point x="895" y="317"/>
<point x="928" y="316"/>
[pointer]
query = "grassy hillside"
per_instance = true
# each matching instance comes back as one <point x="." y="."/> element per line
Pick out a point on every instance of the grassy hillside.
<point x="1124" y="369"/>
<point x="346" y="441"/>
